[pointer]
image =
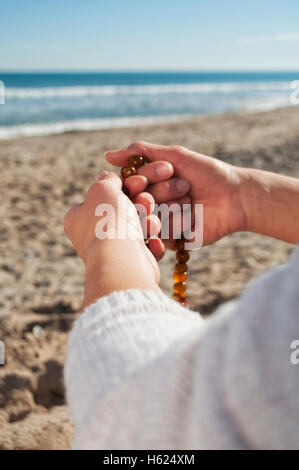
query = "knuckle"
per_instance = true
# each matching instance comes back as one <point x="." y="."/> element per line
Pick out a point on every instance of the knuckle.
<point x="178" y="148"/>
<point x="137" y="145"/>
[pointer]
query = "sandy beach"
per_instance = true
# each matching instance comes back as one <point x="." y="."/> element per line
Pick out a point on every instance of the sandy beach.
<point x="41" y="277"/>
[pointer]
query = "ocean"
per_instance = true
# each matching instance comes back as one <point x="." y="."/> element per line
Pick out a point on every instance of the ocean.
<point x="48" y="103"/>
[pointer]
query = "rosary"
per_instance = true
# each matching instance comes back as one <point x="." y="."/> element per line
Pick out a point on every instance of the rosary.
<point x="182" y="256"/>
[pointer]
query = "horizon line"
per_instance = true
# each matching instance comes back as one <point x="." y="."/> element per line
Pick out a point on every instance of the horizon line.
<point x="88" y="71"/>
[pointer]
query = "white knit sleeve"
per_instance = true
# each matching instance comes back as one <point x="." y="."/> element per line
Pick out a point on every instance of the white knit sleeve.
<point x="142" y="372"/>
<point x="112" y="347"/>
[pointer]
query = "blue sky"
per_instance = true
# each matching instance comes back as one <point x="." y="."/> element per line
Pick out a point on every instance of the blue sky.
<point x="149" y="35"/>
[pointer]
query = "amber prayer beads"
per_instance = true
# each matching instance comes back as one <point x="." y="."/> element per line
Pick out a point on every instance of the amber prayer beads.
<point x="180" y="273"/>
<point x="182" y="256"/>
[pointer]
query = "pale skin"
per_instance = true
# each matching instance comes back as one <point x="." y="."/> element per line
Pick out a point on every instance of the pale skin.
<point x="235" y="199"/>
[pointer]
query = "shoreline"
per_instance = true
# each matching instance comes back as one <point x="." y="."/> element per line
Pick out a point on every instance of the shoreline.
<point x="103" y="124"/>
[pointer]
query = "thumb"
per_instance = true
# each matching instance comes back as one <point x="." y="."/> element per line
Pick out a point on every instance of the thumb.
<point x="153" y="151"/>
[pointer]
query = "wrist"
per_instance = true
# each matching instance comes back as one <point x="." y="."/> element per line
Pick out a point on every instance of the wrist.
<point x="255" y="200"/>
<point x="239" y="213"/>
<point x="247" y="198"/>
<point x="270" y="202"/>
<point x="115" y="265"/>
<point x="259" y="202"/>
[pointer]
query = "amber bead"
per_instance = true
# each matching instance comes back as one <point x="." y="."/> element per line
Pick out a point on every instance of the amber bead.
<point x="137" y="161"/>
<point x="128" y="171"/>
<point x="180" y="244"/>
<point x="179" y="277"/>
<point x="184" y="303"/>
<point x="181" y="268"/>
<point x="180" y="288"/>
<point x="183" y="296"/>
<point x="182" y="256"/>
<point x="177" y="297"/>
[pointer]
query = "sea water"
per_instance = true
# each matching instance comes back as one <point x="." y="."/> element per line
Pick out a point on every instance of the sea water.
<point x="46" y="103"/>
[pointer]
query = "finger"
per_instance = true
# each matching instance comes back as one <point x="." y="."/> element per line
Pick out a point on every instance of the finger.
<point x="169" y="244"/>
<point x="176" y="208"/>
<point x="107" y="187"/>
<point x="145" y="200"/>
<point x="172" y="220"/>
<point x="151" y="226"/>
<point x="156" y="171"/>
<point x="135" y="184"/>
<point x="177" y="223"/>
<point x="109" y="177"/>
<point x="156" y="246"/>
<point x="179" y="203"/>
<point x="151" y="173"/>
<point x="164" y="191"/>
<point x="153" y="151"/>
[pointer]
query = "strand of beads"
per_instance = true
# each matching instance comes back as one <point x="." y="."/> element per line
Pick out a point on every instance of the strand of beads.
<point x="134" y="162"/>
<point x="180" y="273"/>
<point x="182" y="256"/>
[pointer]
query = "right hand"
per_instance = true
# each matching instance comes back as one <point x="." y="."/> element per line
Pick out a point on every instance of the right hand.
<point x="213" y="183"/>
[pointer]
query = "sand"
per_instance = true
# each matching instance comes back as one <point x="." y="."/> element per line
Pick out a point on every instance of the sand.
<point x="41" y="277"/>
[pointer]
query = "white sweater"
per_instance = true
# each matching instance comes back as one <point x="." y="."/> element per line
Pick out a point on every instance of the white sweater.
<point x="142" y="372"/>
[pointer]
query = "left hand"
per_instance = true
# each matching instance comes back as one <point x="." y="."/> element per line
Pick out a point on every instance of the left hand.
<point x="113" y="264"/>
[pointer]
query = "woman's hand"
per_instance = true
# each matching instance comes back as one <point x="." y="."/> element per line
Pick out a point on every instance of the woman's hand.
<point x="198" y="179"/>
<point x="113" y="263"/>
<point x="234" y="199"/>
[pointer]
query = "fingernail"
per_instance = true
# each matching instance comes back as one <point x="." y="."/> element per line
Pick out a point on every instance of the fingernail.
<point x="182" y="185"/>
<point x="101" y="174"/>
<point x="163" y="171"/>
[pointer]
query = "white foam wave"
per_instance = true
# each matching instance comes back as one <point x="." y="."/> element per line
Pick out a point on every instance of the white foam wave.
<point x="81" y="91"/>
<point x="267" y="104"/>
<point x="25" y="130"/>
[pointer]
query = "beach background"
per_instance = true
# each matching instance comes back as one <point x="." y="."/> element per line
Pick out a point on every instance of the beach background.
<point x="55" y="126"/>
<point x="48" y="103"/>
